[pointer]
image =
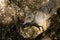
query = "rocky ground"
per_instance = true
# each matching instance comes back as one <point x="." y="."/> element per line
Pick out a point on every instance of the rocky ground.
<point x="30" y="19"/>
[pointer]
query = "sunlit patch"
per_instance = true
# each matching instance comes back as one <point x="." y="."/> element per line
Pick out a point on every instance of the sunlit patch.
<point x="3" y="3"/>
<point x="44" y="2"/>
<point x="30" y="31"/>
<point x="7" y="20"/>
